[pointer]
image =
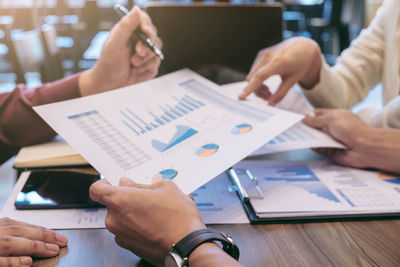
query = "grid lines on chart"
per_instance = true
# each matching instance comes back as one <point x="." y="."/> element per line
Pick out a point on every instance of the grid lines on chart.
<point x="115" y="144"/>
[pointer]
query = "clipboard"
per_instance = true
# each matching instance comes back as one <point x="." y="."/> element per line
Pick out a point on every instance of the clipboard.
<point x="255" y="219"/>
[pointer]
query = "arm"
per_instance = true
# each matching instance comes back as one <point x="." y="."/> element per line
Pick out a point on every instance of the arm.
<point x="149" y="219"/>
<point x="366" y="147"/>
<point x="299" y="60"/>
<point x="356" y="72"/>
<point x="20" y="125"/>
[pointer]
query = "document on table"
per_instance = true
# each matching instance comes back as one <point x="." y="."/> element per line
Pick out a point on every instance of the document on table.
<point x="218" y="202"/>
<point x="174" y="127"/>
<point x="320" y="188"/>
<point x="299" y="136"/>
<point x="54" y="219"/>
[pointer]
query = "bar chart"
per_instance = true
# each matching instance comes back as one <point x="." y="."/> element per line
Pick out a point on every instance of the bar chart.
<point x="160" y="115"/>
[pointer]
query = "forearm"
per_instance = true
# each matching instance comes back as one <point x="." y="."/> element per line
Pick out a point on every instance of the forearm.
<point x="381" y="148"/>
<point x="210" y="254"/>
<point x="19" y="124"/>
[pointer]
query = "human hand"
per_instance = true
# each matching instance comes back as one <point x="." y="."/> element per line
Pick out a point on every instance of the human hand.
<point x="295" y="60"/>
<point x="347" y="128"/>
<point x="19" y="241"/>
<point x="147" y="219"/>
<point x="116" y="67"/>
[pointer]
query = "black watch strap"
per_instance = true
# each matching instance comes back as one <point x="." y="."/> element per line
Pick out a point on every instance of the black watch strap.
<point x="190" y="242"/>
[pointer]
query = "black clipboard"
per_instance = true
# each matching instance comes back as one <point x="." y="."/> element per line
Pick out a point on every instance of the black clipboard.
<point x="255" y="219"/>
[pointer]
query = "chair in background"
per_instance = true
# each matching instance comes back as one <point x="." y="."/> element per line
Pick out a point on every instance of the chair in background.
<point x="54" y="69"/>
<point x="30" y="55"/>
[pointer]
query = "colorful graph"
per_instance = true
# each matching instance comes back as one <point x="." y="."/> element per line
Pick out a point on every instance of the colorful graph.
<point x="389" y="178"/>
<point x="207" y="150"/>
<point x="182" y="133"/>
<point x="167" y="174"/>
<point x="242" y="129"/>
<point x="303" y="177"/>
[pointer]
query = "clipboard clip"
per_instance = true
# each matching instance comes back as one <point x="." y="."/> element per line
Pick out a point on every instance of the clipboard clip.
<point x="233" y="174"/>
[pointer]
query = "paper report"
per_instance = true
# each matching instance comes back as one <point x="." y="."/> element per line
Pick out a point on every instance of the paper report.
<point x="176" y="127"/>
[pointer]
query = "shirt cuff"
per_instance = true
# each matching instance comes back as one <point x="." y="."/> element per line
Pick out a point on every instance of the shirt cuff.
<point x="64" y="89"/>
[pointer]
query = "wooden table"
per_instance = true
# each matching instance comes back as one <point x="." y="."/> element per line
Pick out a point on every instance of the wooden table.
<point x="358" y="243"/>
<point x="372" y="243"/>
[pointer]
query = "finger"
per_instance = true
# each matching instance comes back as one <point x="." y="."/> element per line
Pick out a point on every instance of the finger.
<point x="19" y="246"/>
<point x="16" y="261"/>
<point x="140" y="60"/>
<point x="256" y="81"/>
<point x="7" y="221"/>
<point x="263" y="92"/>
<point x="103" y="192"/>
<point x="317" y="121"/>
<point x="322" y="111"/>
<point x="191" y="196"/>
<point x="123" y="30"/>
<point x="41" y="234"/>
<point x="261" y="59"/>
<point x="128" y="182"/>
<point x="285" y="86"/>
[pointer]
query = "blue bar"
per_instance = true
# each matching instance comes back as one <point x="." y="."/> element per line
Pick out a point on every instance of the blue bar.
<point x="170" y="115"/>
<point x="174" y="111"/>
<point x="272" y="142"/>
<point x="165" y="118"/>
<point x="190" y="103"/>
<point x="134" y="122"/>
<point x="344" y="196"/>
<point x="154" y="125"/>
<point x="145" y="124"/>
<point x="160" y="121"/>
<point x="181" y="109"/>
<point x="185" y="106"/>
<point x="130" y="127"/>
<point x="280" y="139"/>
<point x="82" y="114"/>
<point x="195" y="101"/>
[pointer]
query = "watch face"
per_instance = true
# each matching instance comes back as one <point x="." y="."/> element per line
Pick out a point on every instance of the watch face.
<point x="173" y="260"/>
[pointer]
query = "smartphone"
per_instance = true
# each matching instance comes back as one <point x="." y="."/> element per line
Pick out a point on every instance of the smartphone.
<point x="56" y="190"/>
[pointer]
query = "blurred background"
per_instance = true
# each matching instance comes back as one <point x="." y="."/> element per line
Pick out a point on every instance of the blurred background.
<point x="44" y="40"/>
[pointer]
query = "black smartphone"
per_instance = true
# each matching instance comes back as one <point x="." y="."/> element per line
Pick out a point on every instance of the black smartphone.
<point x="56" y="190"/>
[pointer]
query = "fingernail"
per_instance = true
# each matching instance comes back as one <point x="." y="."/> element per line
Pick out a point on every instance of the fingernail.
<point x="61" y="239"/>
<point x="52" y="247"/>
<point x="26" y="261"/>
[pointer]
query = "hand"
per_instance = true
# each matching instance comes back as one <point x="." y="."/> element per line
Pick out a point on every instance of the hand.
<point x="19" y="241"/>
<point x="116" y="68"/>
<point x="295" y="60"/>
<point x="347" y="128"/>
<point x="147" y="219"/>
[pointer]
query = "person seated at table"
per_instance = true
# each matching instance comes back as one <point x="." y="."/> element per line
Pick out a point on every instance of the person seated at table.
<point x="149" y="219"/>
<point x="372" y="58"/>
<point x="21" y="126"/>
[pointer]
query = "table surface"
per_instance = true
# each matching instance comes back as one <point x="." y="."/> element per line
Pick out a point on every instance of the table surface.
<point x="357" y="243"/>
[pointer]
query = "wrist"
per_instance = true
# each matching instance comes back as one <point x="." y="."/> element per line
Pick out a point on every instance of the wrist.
<point x="205" y="250"/>
<point x="312" y="76"/>
<point x="85" y="82"/>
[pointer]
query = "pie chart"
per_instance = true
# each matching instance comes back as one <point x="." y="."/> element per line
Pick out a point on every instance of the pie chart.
<point x="389" y="178"/>
<point x="207" y="150"/>
<point x="167" y="174"/>
<point x="242" y="129"/>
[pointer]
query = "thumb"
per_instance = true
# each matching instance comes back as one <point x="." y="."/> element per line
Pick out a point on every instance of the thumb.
<point x="129" y="183"/>
<point x="123" y="30"/>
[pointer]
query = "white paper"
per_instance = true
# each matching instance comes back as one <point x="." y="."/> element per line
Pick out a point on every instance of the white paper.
<point x="173" y="127"/>
<point x="54" y="219"/>
<point x="299" y="136"/>
<point x="320" y="187"/>
<point x="218" y="204"/>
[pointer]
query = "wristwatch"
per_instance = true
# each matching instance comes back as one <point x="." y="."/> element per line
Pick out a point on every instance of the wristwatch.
<point x="178" y="256"/>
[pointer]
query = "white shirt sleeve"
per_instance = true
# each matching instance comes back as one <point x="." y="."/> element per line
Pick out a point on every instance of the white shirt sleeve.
<point x="357" y="71"/>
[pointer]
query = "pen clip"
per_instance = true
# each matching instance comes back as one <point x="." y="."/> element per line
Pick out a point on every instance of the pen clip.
<point x="240" y="189"/>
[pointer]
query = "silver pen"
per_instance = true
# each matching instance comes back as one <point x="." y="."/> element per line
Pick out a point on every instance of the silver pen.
<point x="122" y="11"/>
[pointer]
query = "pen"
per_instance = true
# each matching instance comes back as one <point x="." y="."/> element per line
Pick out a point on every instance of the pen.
<point x="122" y="11"/>
<point x="240" y="189"/>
